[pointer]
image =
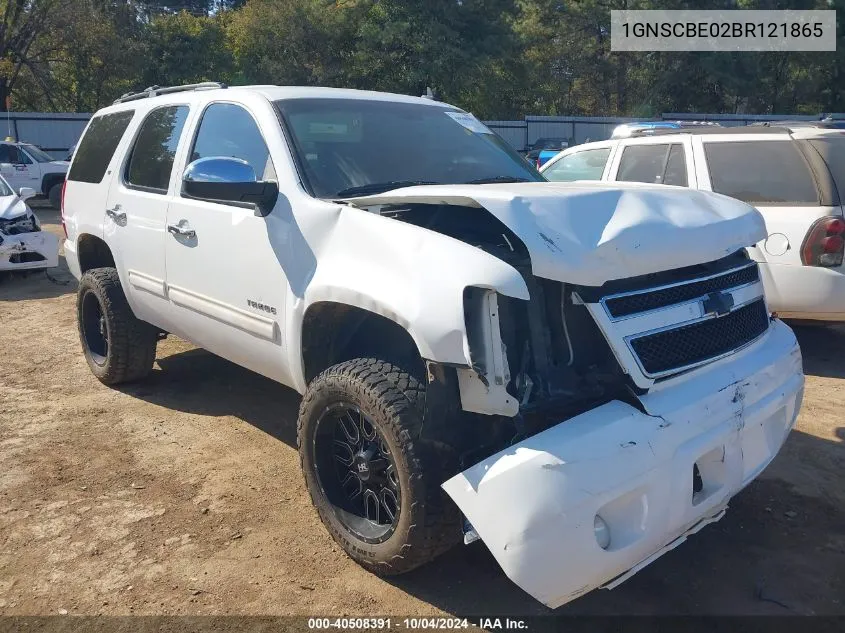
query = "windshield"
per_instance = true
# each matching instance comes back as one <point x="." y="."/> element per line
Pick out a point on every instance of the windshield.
<point x="832" y="149"/>
<point x="39" y="155"/>
<point x="355" y="147"/>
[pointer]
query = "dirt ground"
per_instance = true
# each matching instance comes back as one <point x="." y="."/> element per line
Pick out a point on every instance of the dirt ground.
<point x="182" y="495"/>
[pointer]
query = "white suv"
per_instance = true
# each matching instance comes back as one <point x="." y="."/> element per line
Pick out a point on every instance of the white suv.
<point x="24" y="165"/>
<point x="579" y="375"/>
<point x="794" y="173"/>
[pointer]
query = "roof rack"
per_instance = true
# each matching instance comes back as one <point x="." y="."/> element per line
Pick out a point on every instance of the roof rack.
<point x="154" y="91"/>
<point x="719" y="130"/>
<point x="649" y="128"/>
<point x="828" y="123"/>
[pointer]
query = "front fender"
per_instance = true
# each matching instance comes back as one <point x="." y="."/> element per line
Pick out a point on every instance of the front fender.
<point x="408" y="274"/>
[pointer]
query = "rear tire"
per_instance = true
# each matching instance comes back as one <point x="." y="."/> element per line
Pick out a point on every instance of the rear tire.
<point x="118" y="346"/>
<point x="409" y="520"/>
<point x="55" y="195"/>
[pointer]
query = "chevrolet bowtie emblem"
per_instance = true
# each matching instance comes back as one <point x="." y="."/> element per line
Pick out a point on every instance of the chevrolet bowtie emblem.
<point x="718" y="303"/>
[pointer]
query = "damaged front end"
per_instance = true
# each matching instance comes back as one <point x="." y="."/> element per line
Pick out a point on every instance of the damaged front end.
<point x="23" y="245"/>
<point x="609" y="417"/>
<point x="620" y="448"/>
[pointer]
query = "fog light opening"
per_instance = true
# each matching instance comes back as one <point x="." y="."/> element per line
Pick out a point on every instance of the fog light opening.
<point x="602" y="532"/>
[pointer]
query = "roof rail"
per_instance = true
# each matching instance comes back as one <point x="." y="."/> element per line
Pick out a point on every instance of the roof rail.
<point x="649" y="128"/>
<point x="154" y="91"/>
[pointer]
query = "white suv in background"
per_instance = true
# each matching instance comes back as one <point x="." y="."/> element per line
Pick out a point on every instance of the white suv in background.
<point x="794" y="173"/>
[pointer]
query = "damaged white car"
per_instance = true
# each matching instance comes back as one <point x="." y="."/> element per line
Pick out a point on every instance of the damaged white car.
<point x="23" y="245"/>
<point x="580" y="375"/>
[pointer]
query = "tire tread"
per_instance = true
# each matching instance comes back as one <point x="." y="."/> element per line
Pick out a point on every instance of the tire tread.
<point x="436" y="523"/>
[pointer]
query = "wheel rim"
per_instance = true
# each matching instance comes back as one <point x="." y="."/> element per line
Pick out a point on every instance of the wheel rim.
<point x="95" y="332"/>
<point x="357" y="472"/>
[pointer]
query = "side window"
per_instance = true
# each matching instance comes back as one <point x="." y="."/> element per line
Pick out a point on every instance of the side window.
<point x="662" y="164"/>
<point x="586" y="165"/>
<point x="152" y="156"/>
<point x="13" y="155"/>
<point x="761" y="172"/>
<point x="97" y="146"/>
<point x="227" y="129"/>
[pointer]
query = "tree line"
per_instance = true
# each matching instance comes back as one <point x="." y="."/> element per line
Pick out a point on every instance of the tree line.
<point x="500" y="59"/>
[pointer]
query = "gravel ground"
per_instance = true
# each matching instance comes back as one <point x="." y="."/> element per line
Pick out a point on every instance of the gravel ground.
<point x="182" y="495"/>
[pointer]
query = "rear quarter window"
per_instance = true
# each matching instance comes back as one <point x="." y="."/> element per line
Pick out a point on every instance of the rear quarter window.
<point x="761" y="172"/>
<point x="832" y="150"/>
<point x="97" y="146"/>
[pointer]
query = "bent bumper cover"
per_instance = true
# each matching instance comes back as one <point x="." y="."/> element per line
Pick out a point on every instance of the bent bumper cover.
<point x="27" y="251"/>
<point x="534" y="504"/>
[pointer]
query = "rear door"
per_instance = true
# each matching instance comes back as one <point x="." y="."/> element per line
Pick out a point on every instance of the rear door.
<point x="136" y="211"/>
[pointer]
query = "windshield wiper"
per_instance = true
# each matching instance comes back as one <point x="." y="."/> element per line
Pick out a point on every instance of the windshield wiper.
<point x="381" y="187"/>
<point x="487" y="181"/>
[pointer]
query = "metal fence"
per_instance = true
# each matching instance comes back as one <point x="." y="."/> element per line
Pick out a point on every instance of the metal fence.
<point x="577" y="129"/>
<point x="55" y="133"/>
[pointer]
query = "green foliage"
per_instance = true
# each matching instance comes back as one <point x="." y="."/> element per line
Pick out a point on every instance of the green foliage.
<point x="496" y="58"/>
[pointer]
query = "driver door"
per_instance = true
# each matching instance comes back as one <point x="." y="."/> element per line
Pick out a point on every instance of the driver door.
<point x="226" y="285"/>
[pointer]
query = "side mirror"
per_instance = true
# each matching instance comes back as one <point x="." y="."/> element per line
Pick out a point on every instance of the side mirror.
<point x="26" y="193"/>
<point x="227" y="179"/>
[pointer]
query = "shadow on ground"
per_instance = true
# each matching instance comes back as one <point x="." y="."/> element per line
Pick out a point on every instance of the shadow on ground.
<point x="745" y="564"/>
<point x="823" y="349"/>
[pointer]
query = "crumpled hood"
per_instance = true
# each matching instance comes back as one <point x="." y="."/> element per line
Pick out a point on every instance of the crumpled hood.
<point x="11" y="207"/>
<point x="589" y="233"/>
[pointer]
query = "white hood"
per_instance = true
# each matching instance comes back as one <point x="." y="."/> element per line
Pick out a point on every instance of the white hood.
<point x="11" y="207"/>
<point x="591" y="233"/>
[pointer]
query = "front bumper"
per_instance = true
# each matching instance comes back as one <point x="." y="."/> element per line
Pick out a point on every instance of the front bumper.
<point x="28" y="251"/>
<point x="534" y="504"/>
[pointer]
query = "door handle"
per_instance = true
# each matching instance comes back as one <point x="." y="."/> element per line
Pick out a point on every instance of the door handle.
<point x="182" y="229"/>
<point x="116" y="214"/>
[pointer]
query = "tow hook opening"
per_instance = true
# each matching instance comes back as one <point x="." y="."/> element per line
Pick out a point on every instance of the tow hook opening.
<point x="697" y="482"/>
<point x="602" y="532"/>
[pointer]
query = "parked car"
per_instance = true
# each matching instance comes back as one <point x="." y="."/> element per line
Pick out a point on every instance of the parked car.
<point x="25" y="165"/>
<point x="544" y="149"/>
<point x="581" y="376"/>
<point x="794" y="175"/>
<point x="23" y="245"/>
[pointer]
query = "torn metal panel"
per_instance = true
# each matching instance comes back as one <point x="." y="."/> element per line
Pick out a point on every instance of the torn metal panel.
<point x="590" y="233"/>
<point x="599" y="496"/>
<point x="484" y="386"/>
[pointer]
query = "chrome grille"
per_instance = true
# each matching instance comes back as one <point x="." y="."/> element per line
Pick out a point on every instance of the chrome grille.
<point x="635" y="303"/>
<point x="675" y="349"/>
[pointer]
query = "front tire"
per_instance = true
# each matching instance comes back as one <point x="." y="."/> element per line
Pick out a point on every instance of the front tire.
<point x="55" y="195"/>
<point x="374" y="482"/>
<point x="118" y="346"/>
